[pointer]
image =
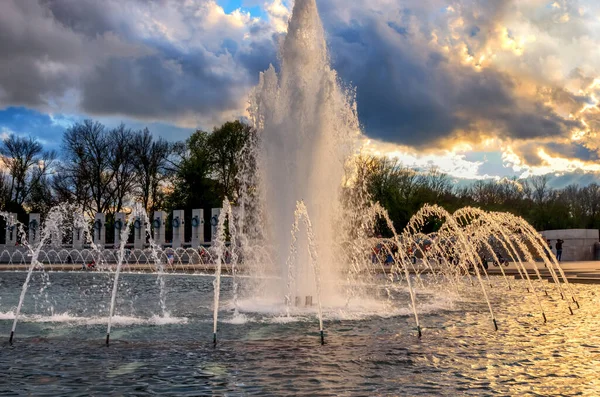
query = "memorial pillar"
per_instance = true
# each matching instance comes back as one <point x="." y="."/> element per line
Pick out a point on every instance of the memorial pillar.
<point x="197" y="228"/>
<point x="100" y="230"/>
<point x="120" y="224"/>
<point x="11" y="229"/>
<point x="178" y="228"/>
<point x="139" y="233"/>
<point x="214" y="221"/>
<point x="78" y="231"/>
<point x="33" y="234"/>
<point x="158" y="227"/>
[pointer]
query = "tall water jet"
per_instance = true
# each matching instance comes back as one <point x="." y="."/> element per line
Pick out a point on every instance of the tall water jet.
<point x="113" y="299"/>
<point x="50" y="228"/>
<point x="219" y="246"/>
<point x="306" y="123"/>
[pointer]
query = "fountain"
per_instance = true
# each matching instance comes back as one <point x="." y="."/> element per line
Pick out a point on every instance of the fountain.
<point x="295" y="242"/>
<point x="306" y="126"/>
<point x="298" y="244"/>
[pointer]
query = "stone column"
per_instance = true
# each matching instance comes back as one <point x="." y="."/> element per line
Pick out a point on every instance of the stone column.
<point x="120" y="224"/>
<point x="11" y="229"/>
<point x="100" y="230"/>
<point x="78" y="231"/>
<point x="35" y="226"/>
<point x="214" y="221"/>
<point x="158" y="226"/>
<point x="197" y="228"/>
<point x="139" y="233"/>
<point x="178" y="228"/>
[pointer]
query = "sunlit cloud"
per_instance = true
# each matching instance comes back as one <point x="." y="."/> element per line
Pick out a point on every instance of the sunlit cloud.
<point x="436" y="82"/>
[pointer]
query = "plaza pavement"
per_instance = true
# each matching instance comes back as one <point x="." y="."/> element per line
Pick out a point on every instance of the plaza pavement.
<point x="587" y="272"/>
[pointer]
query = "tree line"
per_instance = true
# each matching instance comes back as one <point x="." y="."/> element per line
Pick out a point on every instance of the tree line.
<point x="403" y="191"/>
<point x="102" y="169"/>
<point x="106" y="170"/>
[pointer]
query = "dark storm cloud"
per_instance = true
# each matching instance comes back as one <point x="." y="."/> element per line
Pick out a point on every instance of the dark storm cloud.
<point x="114" y="58"/>
<point x="159" y="86"/>
<point x="28" y="36"/>
<point x="410" y="93"/>
<point x="167" y="59"/>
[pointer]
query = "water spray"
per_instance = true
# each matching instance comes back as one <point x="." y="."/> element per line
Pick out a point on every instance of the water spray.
<point x="113" y="300"/>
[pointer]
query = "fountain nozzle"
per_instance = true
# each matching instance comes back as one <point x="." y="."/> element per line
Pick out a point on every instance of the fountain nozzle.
<point x="107" y="340"/>
<point x="215" y="339"/>
<point x="419" y="331"/>
<point x="322" y="338"/>
<point x="12" y="333"/>
<point x="495" y="324"/>
<point x="544" y="315"/>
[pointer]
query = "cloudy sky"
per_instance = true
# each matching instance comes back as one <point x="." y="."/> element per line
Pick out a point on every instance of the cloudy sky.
<point x="482" y="88"/>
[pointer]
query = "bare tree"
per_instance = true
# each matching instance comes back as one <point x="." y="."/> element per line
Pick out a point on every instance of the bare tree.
<point x="27" y="163"/>
<point x="121" y="166"/>
<point x="151" y="165"/>
<point x="539" y="189"/>
<point x="96" y="172"/>
<point x="437" y="182"/>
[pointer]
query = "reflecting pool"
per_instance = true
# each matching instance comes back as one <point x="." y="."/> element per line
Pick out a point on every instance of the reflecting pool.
<point x="60" y="347"/>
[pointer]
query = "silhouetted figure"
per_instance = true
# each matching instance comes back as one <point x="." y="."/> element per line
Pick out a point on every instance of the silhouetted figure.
<point x="559" y="244"/>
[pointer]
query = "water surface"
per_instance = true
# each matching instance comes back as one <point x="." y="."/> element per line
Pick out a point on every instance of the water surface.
<point x="59" y="345"/>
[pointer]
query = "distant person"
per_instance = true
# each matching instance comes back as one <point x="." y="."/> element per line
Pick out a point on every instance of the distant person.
<point x="376" y="251"/>
<point x="559" y="244"/>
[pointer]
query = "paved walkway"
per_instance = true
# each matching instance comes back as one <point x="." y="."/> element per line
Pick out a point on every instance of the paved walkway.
<point x="576" y="272"/>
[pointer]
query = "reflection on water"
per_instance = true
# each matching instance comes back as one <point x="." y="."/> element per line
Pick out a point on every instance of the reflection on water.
<point x="59" y="349"/>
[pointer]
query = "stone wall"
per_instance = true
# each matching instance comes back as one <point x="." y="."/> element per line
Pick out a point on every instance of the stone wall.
<point x="578" y="243"/>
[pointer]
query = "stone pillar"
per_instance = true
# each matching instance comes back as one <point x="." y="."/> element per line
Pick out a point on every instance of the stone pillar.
<point x="178" y="228"/>
<point x="197" y="228"/>
<point x="214" y="221"/>
<point x="11" y="229"/>
<point x="158" y="226"/>
<point x="120" y="224"/>
<point x="139" y="233"/>
<point x="78" y="232"/>
<point x="100" y="230"/>
<point x="34" y="231"/>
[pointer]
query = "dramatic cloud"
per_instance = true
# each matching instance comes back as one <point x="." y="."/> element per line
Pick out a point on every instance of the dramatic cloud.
<point x="156" y="59"/>
<point x="430" y="75"/>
